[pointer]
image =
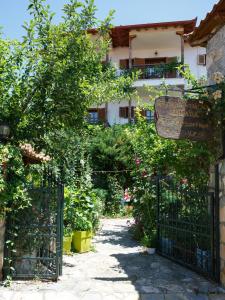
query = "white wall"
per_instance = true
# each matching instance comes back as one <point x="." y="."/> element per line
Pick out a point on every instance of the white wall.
<point x="190" y="58"/>
<point x="167" y="46"/>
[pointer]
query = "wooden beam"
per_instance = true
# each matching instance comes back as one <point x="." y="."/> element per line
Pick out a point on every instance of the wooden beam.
<point x="131" y="37"/>
<point x="182" y="48"/>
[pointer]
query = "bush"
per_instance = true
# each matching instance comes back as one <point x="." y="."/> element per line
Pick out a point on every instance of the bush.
<point x="82" y="209"/>
<point x="145" y="207"/>
<point x="113" y="204"/>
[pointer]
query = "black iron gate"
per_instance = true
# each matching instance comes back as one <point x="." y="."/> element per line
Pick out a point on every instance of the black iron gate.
<point x="34" y="236"/>
<point x="187" y="225"/>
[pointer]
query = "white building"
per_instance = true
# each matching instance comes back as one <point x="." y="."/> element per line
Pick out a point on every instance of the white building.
<point x="155" y="49"/>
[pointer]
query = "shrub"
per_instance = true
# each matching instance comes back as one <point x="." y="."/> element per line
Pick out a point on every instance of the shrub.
<point x="82" y="209"/>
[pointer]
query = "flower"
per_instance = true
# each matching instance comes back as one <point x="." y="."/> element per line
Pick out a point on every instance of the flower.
<point x="144" y="173"/>
<point x="217" y="95"/>
<point x="218" y="77"/>
<point x="206" y="94"/>
<point x="137" y="161"/>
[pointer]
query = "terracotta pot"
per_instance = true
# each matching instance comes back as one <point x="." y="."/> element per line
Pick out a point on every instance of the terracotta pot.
<point x="2" y="242"/>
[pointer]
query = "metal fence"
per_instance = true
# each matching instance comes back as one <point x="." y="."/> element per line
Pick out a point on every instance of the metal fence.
<point x="36" y="233"/>
<point x="186" y="222"/>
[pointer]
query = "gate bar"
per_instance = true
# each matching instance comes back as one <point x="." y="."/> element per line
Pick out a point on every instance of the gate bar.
<point x="217" y="222"/>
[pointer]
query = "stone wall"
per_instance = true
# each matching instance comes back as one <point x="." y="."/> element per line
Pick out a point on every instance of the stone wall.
<point x="2" y="239"/>
<point x="216" y="54"/>
<point x="216" y="63"/>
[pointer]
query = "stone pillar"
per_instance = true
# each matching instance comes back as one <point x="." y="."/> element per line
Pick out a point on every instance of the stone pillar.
<point x="215" y="63"/>
<point x="2" y="242"/>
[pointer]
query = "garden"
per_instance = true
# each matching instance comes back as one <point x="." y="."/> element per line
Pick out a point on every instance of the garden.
<point x="49" y="152"/>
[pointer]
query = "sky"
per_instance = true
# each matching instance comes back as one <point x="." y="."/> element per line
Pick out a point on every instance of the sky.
<point x="14" y="12"/>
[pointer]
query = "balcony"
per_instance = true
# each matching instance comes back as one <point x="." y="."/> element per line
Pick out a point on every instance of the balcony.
<point x="157" y="71"/>
<point x="153" y="74"/>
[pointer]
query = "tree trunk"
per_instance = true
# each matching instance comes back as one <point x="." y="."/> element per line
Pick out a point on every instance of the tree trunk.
<point x="2" y="242"/>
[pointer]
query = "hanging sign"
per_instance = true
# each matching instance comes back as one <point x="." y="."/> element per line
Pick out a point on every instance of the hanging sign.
<point x="183" y="119"/>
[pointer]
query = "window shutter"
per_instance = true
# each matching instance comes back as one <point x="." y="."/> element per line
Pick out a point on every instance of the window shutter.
<point x="124" y="112"/>
<point x="171" y="59"/>
<point x="143" y="112"/>
<point x="102" y="114"/>
<point x="133" y="112"/>
<point x="139" y="61"/>
<point x="124" y="63"/>
<point x="202" y="59"/>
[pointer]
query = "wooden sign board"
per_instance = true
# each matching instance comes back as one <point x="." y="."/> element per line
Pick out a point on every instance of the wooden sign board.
<point x="183" y="119"/>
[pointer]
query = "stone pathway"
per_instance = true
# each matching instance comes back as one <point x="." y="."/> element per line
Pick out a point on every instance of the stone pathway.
<point x="117" y="269"/>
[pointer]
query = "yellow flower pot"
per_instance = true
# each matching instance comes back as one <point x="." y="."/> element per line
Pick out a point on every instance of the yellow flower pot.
<point x="67" y="240"/>
<point x="82" y="241"/>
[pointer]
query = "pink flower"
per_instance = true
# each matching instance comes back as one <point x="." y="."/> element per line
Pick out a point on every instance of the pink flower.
<point x="137" y="161"/>
<point x="144" y="173"/>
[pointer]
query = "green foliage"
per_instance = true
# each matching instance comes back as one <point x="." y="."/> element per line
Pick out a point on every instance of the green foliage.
<point x="111" y="152"/>
<point x="75" y="212"/>
<point x="149" y="241"/>
<point x="14" y="194"/>
<point x="115" y="195"/>
<point x="145" y="205"/>
<point x="67" y="231"/>
<point x="83" y="206"/>
<point x="50" y="78"/>
<point x="179" y="158"/>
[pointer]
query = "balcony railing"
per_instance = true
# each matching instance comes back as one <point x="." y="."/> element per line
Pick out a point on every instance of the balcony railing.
<point x="156" y="71"/>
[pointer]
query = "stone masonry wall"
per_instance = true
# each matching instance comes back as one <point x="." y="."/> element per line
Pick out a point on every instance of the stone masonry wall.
<point x="216" y="63"/>
<point x="216" y="54"/>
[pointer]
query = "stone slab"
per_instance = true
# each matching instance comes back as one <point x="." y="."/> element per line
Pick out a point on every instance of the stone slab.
<point x="152" y="297"/>
<point x="118" y="270"/>
<point x="185" y="297"/>
<point x="217" y="297"/>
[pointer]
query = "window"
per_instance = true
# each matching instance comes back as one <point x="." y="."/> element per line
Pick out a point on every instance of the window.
<point x="149" y="116"/>
<point x="124" y="64"/>
<point x="93" y="116"/>
<point x="96" y="115"/>
<point x="202" y="59"/>
<point x="124" y="112"/>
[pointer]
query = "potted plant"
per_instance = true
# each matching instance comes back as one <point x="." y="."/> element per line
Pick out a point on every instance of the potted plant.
<point x="149" y="242"/>
<point x="67" y="239"/>
<point x="82" y="233"/>
<point x="81" y="213"/>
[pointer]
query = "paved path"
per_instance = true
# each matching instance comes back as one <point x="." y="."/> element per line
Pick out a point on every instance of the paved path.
<point x="118" y="269"/>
